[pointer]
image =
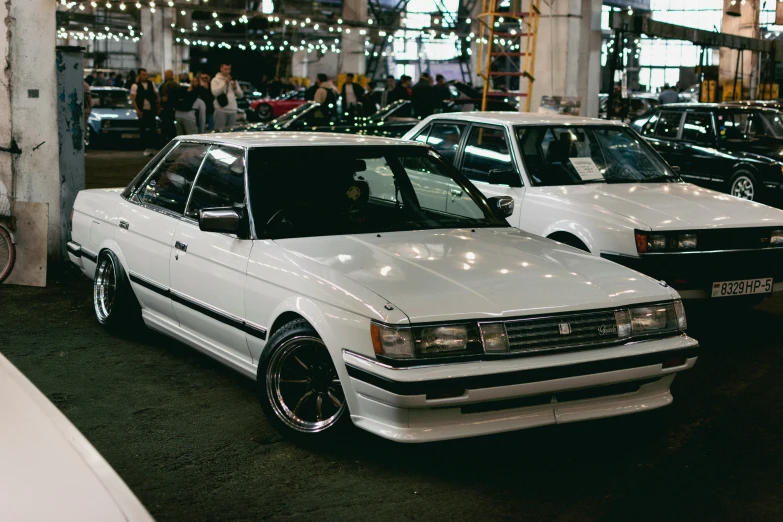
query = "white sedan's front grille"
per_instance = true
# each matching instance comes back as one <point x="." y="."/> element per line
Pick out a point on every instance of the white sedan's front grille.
<point x="561" y="332"/>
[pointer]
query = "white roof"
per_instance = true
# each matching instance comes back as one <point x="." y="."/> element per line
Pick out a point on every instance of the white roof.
<point x="292" y="139"/>
<point x="523" y="118"/>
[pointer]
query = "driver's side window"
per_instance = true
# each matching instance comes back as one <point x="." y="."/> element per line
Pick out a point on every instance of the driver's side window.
<point x="221" y="182"/>
<point x="169" y="185"/>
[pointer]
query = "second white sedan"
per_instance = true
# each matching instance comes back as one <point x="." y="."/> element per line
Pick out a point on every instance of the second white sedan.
<point x="598" y="186"/>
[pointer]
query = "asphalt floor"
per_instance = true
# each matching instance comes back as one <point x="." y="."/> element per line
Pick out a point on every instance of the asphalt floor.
<point x="189" y="438"/>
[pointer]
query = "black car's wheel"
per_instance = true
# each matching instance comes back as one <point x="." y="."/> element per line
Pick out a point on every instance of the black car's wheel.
<point x="743" y="185"/>
<point x="301" y="393"/>
<point x="264" y="112"/>
<point x="114" y="302"/>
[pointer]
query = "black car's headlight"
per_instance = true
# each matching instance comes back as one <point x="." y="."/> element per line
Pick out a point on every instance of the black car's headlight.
<point x="422" y="342"/>
<point x="663" y="242"/>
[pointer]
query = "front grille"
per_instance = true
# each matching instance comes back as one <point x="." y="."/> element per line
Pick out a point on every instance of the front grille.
<point x="562" y="332"/>
<point x="733" y="239"/>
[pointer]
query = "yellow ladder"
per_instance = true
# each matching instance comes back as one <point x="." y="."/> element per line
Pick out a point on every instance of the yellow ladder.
<point x="507" y="39"/>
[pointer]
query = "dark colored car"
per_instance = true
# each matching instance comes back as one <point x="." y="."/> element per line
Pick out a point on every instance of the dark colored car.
<point x="467" y="99"/>
<point x="391" y="121"/>
<point x="730" y="148"/>
<point x="112" y="120"/>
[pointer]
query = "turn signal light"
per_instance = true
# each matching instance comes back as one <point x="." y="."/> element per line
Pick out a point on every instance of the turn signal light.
<point x="641" y="243"/>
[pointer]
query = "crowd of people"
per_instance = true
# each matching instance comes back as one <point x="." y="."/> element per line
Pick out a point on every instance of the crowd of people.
<point x="201" y="103"/>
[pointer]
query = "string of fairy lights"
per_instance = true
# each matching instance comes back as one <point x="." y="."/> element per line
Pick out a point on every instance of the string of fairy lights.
<point x="280" y="35"/>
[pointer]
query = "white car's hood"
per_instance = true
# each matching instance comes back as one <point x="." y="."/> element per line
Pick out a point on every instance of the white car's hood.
<point x="434" y="275"/>
<point x="669" y="206"/>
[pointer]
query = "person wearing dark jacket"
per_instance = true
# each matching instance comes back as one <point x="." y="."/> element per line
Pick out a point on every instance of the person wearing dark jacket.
<point x="352" y="95"/>
<point x="402" y="91"/>
<point x="441" y="92"/>
<point x="204" y="93"/>
<point x="423" y="97"/>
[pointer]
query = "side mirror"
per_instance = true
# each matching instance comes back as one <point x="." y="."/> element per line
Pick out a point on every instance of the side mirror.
<point x="222" y="220"/>
<point x="502" y="205"/>
<point x="504" y="177"/>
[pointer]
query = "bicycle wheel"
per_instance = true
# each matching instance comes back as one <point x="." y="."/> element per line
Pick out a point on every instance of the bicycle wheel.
<point x="7" y="254"/>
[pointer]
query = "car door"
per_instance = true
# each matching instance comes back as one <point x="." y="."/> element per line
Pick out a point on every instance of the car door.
<point x="699" y="160"/>
<point x="663" y="133"/>
<point x="148" y="219"/>
<point x="487" y="160"/>
<point x="208" y="269"/>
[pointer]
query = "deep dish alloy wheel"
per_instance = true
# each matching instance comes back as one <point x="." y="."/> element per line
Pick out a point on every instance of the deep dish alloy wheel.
<point x="7" y="254"/>
<point x="743" y="187"/>
<point x="302" y="385"/>
<point x="104" y="288"/>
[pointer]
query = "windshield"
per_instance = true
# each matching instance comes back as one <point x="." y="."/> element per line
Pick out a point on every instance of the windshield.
<point x="111" y="100"/>
<point x="749" y="125"/>
<point x="397" y="109"/>
<point x="320" y="191"/>
<point x="574" y="155"/>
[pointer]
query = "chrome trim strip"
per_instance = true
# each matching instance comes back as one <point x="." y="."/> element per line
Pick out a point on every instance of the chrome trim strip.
<point x="138" y="278"/>
<point x="179" y="296"/>
<point x="704" y="178"/>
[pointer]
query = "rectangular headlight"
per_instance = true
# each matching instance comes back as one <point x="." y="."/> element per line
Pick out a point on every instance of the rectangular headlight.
<point x="686" y="241"/>
<point x="494" y="337"/>
<point x="441" y="339"/>
<point x="393" y="342"/>
<point x="656" y="242"/>
<point x="623" y="321"/>
<point x="776" y="238"/>
<point x="654" y="319"/>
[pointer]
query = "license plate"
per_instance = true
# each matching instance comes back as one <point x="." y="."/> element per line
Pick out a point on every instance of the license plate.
<point x="742" y="287"/>
<point x="129" y="136"/>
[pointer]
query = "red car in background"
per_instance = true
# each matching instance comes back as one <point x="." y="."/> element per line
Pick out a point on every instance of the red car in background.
<point x="267" y="109"/>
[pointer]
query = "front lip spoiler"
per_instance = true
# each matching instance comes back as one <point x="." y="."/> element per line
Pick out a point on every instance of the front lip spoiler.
<point x="534" y="375"/>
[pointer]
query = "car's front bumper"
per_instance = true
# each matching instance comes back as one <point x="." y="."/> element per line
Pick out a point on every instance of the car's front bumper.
<point x="408" y="404"/>
<point x="693" y="273"/>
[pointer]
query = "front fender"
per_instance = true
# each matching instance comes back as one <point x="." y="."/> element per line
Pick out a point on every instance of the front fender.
<point x="575" y="229"/>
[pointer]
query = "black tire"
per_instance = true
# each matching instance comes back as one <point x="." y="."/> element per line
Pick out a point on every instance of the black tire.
<point x="114" y="303"/>
<point x="572" y="241"/>
<point x="743" y="185"/>
<point x="7" y="254"/>
<point x="299" y="387"/>
<point x="264" y="112"/>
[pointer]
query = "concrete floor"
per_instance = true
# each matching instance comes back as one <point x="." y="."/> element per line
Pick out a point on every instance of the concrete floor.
<point x="189" y="438"/>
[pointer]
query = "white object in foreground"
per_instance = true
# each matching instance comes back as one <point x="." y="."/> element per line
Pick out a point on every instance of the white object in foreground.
<point x="48" y="470"/>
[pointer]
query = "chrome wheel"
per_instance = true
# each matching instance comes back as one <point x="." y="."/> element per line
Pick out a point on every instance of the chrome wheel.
<point x="264" y="112"/>
<point x="302" y="385"/>
<point x="743" y="188"/>
<point x="104" y="288"/>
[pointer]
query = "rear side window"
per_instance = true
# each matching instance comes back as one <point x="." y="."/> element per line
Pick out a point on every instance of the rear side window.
<point x="698" y="128"/>
<point x="445" y="138"/>
<point x="169" y="185"/>
<point x="668" y="125"/>
<point x="487" y="149"/>
<point x="221" y="182"/>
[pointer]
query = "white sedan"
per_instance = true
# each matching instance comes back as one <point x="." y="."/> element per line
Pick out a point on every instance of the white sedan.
<point x="343" y="274"/>
<point x="598" y="186"/>
<point x="49" y="470"/>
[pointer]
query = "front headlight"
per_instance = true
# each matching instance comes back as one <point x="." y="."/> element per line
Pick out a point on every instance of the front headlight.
<point x="422" y="342"/>
<point x="686" y="241"/>
<point x="669" y="241"/>
<point x="776" y="237"/>
<point x="657" y="319"/>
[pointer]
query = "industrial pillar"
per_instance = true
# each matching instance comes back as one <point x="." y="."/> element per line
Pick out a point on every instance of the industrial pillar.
<point x="568" y="55"/>
<point x="29" y="161"/>
<point x="156" y="46"/>
<point x="747" y="24"/>
<point x="352" y="58"/>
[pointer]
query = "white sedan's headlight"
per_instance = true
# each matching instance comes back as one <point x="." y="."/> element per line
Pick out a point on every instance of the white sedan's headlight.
<point x="402" y="342"/>
<point x="657" y="319"/>
<point x="776" y="237"/>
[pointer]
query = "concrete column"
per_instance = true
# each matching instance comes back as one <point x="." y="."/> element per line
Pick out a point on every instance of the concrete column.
<point x="29" y="158"/>
<point x="352" y="56"/>
<point x="745" y="25"/>
<point x="568" y="52"/>
<point x="156" y="46"/>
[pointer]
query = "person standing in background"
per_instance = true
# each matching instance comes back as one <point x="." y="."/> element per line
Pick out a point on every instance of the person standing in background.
<point x="351" y="94"/>
<point x="130" y="81"/>
<point x="385" y="97"/>
<point x="146" y="103"/>
<point x="90" y="78"/>
<point x="204" y="92"/>
<point x="189" y="111"/>
<point x="226" y="91"/>
<point x="441" y="92"/>
<point x="325" y="95"/>
<point x="100" y="81"/>
<point x="422" y="97"/>
<point x="167" y="96"/>
<point x="275" y="87"/>
<point x="668" y="95"/>
<point x="403" y="90"/>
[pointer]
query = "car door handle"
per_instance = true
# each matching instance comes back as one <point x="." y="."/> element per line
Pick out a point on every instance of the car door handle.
<point x="124" y="224"/>
<point x="179" y="245"/>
